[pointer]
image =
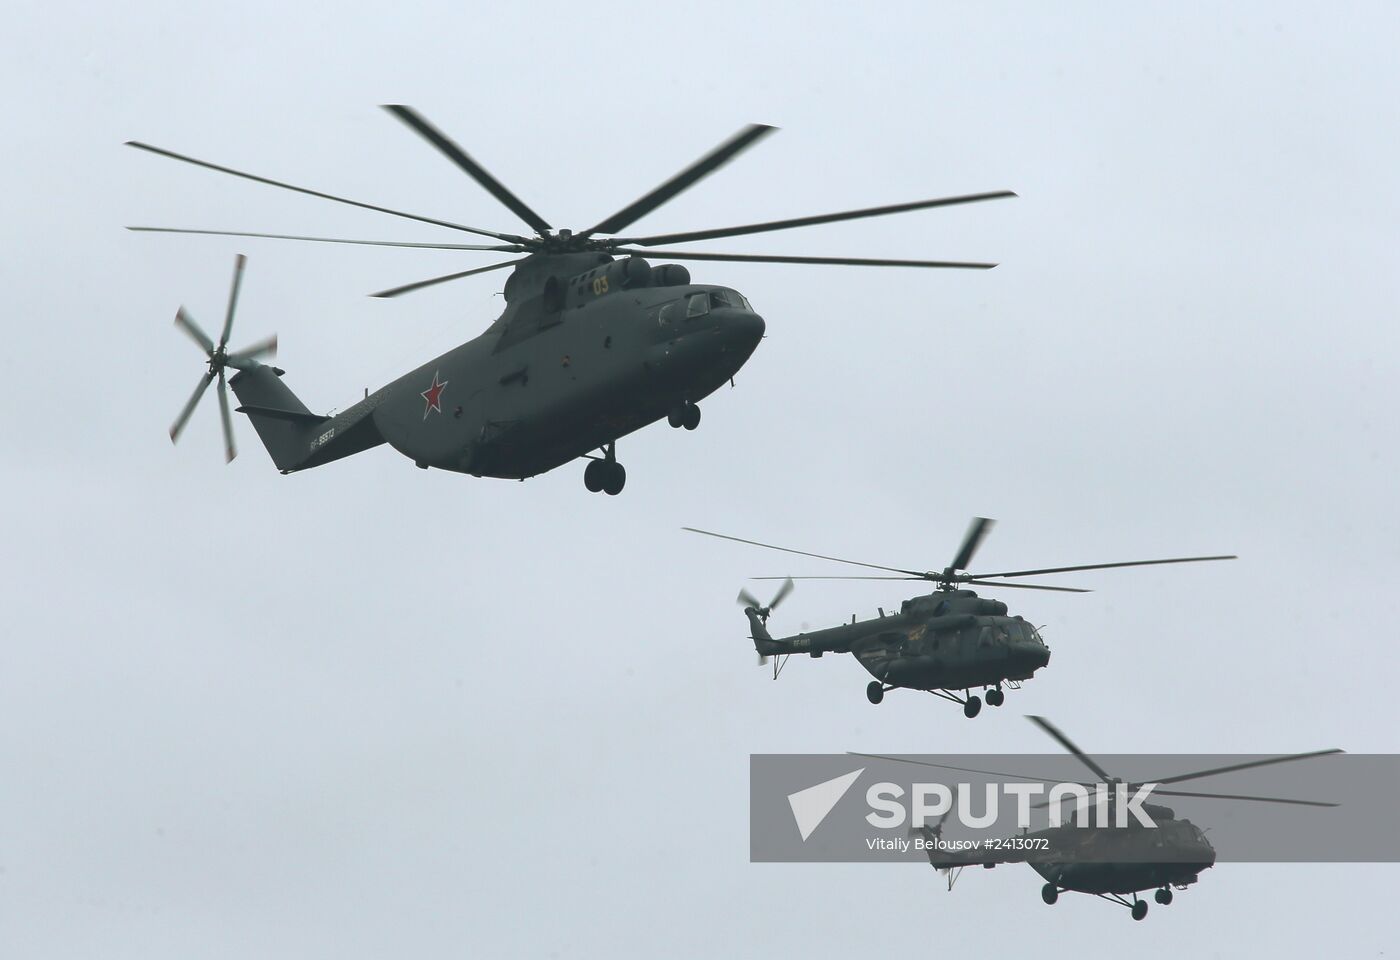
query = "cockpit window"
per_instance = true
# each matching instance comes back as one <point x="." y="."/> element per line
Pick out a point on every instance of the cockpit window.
<point x="698" y="305"/>
<point x="668" y="313"/>
<point x="728" y="298"/>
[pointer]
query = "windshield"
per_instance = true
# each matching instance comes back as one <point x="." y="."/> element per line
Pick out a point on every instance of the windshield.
<point x="724" y="297"/>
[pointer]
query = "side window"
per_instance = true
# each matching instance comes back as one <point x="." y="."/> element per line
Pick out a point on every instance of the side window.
<point x="698" y="305"/>
<point x="668" y="313"/>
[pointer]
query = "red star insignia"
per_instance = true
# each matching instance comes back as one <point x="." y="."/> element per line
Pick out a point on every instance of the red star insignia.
<point x="433" y="396"/>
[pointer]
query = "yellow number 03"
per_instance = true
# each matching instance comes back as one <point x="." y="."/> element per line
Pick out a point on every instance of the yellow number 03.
<point x="600" y="286"/>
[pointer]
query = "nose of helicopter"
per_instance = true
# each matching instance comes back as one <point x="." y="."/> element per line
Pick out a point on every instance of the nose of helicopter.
<point x="741" y="329"/>
<point x="1033" y="655"/>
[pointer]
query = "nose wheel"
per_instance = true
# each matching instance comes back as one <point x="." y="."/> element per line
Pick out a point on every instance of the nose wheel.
<point x="686" y="415"/>
<point x="995" y="697"/>
<point x="606" y="475"/>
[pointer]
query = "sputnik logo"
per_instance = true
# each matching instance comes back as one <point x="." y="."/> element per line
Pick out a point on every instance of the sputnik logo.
<point x="810" y="806"/>
<point x="433" y="396"/>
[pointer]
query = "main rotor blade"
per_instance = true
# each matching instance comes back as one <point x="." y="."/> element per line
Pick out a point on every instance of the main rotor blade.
<point x="811" y="221"/>
<point x="936" y="578"/>
<point x="1242" y="796"/>
<point x="410" y="287"/>
<point x="230" y="451"/>
<point x="976" y="532"/>
<point x="688" y="177"/>
<point x="473" y="169"/>
<point x="507" y="248"/>
<point x="1069" y="745"/>
<point x="948" y="766"/>
<point x="1100" y="566"/>
<point x="782" y="593"/>
<point x="186" y="323"/>
<point x="238" y="263"/>
<point x="839" y="577"/>
<point x="803" y="553"/>
<point x="510" y="238"/>
<point x="766" y="258"/>
<point x="1026" y="586"/>
<point x="266" y="347"/>
<point x="1289" y="758"/>
<point x="184" y="417"/>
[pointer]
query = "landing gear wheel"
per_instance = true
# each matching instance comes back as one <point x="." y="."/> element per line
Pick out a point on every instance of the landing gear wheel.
<point x="593" y="475"/>
<point x="995" y="698"/>
<point x="1139" y="909"/>
<point x="973" y="707"/>
<point x="1163" y="896"/>
<point x="690" y="416"/>
<point x="1050" y="893"/>
<point x="676" y="417"/>
<point x="614" y="478"/>
<point x="875" y="691"/>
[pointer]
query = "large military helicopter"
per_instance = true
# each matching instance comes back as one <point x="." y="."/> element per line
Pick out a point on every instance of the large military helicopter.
<point x="1112" y="862"/>
<point x="594" y="342"/>
<point x="947" y="641"/>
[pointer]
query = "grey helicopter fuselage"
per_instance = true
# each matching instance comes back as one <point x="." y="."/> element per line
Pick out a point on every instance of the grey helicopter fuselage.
<point x="1124" y="861"/>
<point x="947" y="640"/>
<point x="1104" y="860"/>
<point x="589" y="349"/>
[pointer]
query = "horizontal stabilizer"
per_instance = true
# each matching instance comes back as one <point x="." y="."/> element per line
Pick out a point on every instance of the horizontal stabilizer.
<point x="295" y="416"/>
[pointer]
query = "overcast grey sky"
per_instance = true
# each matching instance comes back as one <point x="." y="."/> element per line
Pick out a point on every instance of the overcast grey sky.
<point x="372" y="711"/>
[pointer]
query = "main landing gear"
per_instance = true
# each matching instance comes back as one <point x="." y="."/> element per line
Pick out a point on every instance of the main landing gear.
<point x="971" y="703"/>
<point x="1138" y="908"/>
<point x="686" y="415"/>
<point x="606" y="474"/>
<point x="1050" y="893"/>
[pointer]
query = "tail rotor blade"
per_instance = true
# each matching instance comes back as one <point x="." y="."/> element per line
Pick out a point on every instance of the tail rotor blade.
<point x="746" y="599"/>
<point x="266" y="347"/>
<point x="229" y="450"/>
<point x="238" y="263"/>
<point x="763" y="660"/>
<point x="179" y="425"/>
<point x="782" y="593"/>
<point x="186" y="323"/>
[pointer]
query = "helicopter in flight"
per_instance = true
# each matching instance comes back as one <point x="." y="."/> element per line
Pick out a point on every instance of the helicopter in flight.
<point x="946" y="643"/>
<point x="1112" y="862"/>
<point x="594" y="342"/>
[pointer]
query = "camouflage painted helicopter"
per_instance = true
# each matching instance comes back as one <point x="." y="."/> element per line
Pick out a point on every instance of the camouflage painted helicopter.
<point x="1109" y="862"/>
<point x="947" y="641"/>
<point x="594" y="342"/>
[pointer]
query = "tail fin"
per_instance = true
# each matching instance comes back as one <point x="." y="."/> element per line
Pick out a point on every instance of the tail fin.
<point x="284" y="424"/>
<point x="763" y="641"/>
